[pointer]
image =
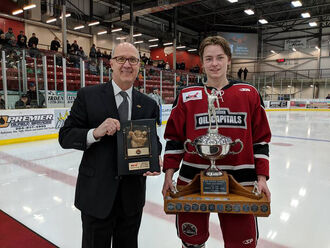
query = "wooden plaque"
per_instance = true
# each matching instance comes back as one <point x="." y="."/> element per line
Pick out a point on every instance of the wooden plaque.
<point x="196" y="199"/>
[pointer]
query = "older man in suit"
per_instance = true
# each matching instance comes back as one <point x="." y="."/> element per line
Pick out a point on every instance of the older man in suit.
<point x="111" y="205"/>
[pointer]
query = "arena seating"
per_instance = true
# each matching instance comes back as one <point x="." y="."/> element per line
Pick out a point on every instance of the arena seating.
<point x="73" y="77"/>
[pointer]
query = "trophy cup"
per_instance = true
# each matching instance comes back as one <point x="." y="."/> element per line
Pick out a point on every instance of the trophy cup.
<point x="202" y="193"/>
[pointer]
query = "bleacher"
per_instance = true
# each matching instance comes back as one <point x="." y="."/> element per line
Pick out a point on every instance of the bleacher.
<point x="74" y="81"/>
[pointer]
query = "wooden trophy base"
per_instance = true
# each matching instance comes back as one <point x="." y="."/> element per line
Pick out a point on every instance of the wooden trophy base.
<point x="216" y="194"/>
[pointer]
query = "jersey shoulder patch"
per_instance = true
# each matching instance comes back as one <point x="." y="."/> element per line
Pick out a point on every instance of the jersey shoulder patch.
<point x="192" y="95"/>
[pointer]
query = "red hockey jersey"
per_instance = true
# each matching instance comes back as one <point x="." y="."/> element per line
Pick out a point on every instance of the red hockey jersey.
<point x="241" y="116"/>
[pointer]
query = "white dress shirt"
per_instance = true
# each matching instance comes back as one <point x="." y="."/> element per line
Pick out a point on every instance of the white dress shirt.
<point x="118" y="99"/>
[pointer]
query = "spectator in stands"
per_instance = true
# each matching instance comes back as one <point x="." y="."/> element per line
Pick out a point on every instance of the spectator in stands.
<point x="21" y="40"/>
<point x="12" y="42"/>
<point x="105" y="55"/>
<point x="167" y="66"/>
<point x="11" y="60"/>
<point x="68" y="46"/>
<point x="182" y="66"/>
<point x="328" y="97"/>
<point x="155" y="95"/>
<point x="2" y="102"/>
<point x="75" y="46"/>
<point x="99" y="53"/>
<point x="144" y="58"/>
<point x="245" y="73"/>
<point x="32" y="97"/>
<point x="2" y="40"/>
<point x="92" y="52"/>
<point x="81" y="53"/>
<point x="21" y="43"/>
<point x="196" y="69"/>
<point x="140" y="76"/>
<point x="55" y="44"/>
<point x="239" y="73"/>
<point x="92" y="67"/>
<point x="74" y="58"/>
<point x="22" y="102"/>
<point x="34" y="51"/>
<point x="10" y="34"/>
<point x="33" y="41"/>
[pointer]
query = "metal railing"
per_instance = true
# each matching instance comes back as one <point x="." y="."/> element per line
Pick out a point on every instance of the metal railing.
<point x="57" y="80"/>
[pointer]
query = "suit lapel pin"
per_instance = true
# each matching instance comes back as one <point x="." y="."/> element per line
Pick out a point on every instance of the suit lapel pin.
<point x="138" y="106"/>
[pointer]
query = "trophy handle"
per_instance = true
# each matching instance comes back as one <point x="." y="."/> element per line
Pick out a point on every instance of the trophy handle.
<point x="234" y="143"/>
<point x="185" y="146"/>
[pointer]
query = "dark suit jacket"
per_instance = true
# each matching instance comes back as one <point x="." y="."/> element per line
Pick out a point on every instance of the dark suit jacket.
<point x="98" y="183"/>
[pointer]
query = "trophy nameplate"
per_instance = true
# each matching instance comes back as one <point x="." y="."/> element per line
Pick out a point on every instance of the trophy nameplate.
<point x="137" y="147"/>
<point x="214" y="190"/>
<point x="214" y="185"/>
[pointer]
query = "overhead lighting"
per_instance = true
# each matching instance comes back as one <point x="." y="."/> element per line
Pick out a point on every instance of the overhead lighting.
<point x="294" y="49"/>
<point x="51" y="20"/>
<point x="79" y="27"/>
<point x="305" y="15"/>
<point x="121" y="38"/>
<point x="233" y="1"/>
<point x="180" y="47"/>
<point x="16" y="12"/>
<point x="153" y="45"/>
<point x="316" y="47"/>
<point x="296" y="4"/>
<point x="249" y="11"/>
<point x="116" y="30"/>
<point x="263" y="21"/>
<point x="102" y="32"/>
<point x="66" y="15"/>
<point x="136" y="35"/>
<point x="138" y="42"/>
<point x="94" y="23"/>
<point x="168" y="43"/>
<point x="153" y="40"/>
<point x="272" y="51"/>
<point x="31" y="6"/>
<point x="312" y="24"/>
<point x="192" y="50"/>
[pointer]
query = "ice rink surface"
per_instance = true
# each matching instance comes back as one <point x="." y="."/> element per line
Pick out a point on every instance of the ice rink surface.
<point x="37" y="182"/>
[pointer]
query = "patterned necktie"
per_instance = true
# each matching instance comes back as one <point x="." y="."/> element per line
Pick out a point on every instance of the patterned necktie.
<point x="123" y="107"/>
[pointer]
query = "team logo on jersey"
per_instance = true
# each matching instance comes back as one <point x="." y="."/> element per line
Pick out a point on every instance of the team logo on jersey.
<point x="244" y="89"/>
<point x="192" y="95"/>
<point x="189" y="229"/>
<point x="225" y="118"/>
<point x="247" y="241"/>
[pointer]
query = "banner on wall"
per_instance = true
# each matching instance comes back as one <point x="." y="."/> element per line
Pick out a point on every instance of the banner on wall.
<point x="166" y="111"/>
<point x="318" y="103"/>
<point x="296" y="43"/>
<point x="31" y="122"/>
<point x="56" y="98"/>
<point x="278" y="104"/>
<point x="242" y="45"/>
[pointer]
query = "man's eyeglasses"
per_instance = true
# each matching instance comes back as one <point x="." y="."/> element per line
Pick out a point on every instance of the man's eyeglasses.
<point x="131" y="60"/>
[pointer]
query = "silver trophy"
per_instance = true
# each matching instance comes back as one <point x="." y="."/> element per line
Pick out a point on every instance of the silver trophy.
<point x="213" y="145"/>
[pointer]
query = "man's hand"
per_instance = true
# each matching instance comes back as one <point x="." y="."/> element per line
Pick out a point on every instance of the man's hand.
<point x="168" y="185"/>
<point x="148" y="173"/>
<point x="108" y="127"/>
<point x="262" y="185"/>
